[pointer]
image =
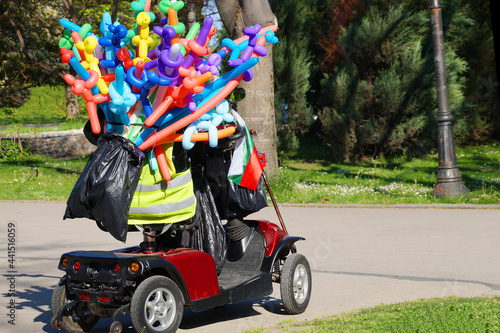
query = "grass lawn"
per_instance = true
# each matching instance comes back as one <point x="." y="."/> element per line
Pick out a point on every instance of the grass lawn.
<point x="46" y="108"/>
<point x="55" y="179"/>
<point x="477" y="314"/>
<point x="303" y="178"/>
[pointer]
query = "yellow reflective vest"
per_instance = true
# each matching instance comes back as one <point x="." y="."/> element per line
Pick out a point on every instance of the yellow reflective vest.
<point x="155" y="201"/>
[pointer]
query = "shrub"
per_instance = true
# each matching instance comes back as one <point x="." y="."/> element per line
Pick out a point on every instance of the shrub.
<point x="10" y="150"/>
<point x="381" y="100"/>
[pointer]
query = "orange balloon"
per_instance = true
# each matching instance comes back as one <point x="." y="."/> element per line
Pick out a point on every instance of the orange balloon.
<point x="226" y="90"/>
<point x="222" y="133"/>
<point x="162" y="163"/>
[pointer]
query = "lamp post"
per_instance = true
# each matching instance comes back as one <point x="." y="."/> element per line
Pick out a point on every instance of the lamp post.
<point x="449" y="179"/>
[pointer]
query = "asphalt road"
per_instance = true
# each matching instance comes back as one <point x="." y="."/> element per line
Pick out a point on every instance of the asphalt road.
<point x="360" y="257"/>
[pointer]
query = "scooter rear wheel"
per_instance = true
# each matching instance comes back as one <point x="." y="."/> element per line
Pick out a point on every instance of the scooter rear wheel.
<point x="59" y="298"/>
<point x="295" y="283"/>
<point x="157" y="306"/>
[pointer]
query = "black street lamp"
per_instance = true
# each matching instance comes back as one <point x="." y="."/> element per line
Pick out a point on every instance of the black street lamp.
<point x="449" y="179"/>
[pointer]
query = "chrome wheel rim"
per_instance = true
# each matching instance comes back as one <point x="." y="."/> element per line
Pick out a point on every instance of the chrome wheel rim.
<point x="300" y="284"/>
<point x="160" y="309"/>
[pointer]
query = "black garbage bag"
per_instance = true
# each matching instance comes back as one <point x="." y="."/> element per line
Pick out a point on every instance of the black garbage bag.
<point x="105" y="188"/>
<point x="232" y="200"/>
<point x="216" y="168"/>
<point x="244" y="201"/>
<point x="209" y="235"/>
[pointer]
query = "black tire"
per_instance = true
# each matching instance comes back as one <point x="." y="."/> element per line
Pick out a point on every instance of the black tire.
<point x="157" y="306"/>
<point x="296" y="283"/>
<point x="59" y="298"/>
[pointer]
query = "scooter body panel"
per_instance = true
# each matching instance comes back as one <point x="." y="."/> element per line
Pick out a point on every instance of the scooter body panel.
<point x="193" y="270"/>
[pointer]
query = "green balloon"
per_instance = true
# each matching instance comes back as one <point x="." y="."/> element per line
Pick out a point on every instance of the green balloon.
<point x="66" y="42"/>
<point x="166" y="4"/>
<point x="86" y="28"/>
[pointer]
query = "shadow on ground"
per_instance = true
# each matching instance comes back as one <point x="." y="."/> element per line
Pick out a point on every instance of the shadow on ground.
<point x="37" y="299"/>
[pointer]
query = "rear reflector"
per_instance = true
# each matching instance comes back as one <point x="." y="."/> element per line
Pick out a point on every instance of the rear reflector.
<point x="104" y="298"/>
<point x="115" y="269"/>
<point x="77" y="266"/>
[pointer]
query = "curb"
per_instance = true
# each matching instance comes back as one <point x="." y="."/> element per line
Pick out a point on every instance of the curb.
<point x="321" y="205"/>
<point x="393" y="206"/>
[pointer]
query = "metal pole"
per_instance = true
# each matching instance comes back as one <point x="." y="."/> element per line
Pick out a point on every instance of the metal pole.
<point x="275" y="204"/>
<point x="276" y="208"/>
<point x="449" y="179"/>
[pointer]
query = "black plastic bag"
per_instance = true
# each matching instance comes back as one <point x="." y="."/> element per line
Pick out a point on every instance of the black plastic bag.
<point x="216" y="167"/>
<point x="105" y="188"/>
<point x="243" y="201"/>
<point x="232" y="200"/>
<point x="209" y="235"/>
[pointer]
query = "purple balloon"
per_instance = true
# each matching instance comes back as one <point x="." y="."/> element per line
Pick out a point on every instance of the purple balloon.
<point x="214" y="59"/>
<point x="205" y="29"/>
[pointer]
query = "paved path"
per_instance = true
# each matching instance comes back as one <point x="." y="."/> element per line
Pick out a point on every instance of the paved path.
<point x="360" y="257"/>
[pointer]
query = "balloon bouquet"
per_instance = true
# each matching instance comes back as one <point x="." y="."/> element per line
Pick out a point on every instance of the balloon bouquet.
<point x="148" y="94"/>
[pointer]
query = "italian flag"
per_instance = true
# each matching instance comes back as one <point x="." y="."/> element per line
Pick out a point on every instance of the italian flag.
<point x="245" y="169"/>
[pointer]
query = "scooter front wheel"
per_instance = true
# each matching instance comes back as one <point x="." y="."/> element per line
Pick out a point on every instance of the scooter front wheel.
<point x="157" y="306"/>
<point x="59" y="299"/>
<point x="295" y="283"/>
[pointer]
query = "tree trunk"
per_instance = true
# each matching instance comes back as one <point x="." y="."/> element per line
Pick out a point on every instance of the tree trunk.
<point x="114" y="11"/>
<point x="72" y="110"/>
<point x="191" y="15"/>
<point x="258" y="106"/>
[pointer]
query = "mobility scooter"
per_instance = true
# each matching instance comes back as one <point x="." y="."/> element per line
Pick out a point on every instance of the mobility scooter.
<point x="156" y="280"/>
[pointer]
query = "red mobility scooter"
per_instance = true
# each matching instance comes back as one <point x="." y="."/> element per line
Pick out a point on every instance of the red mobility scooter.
<point x="156" y="280"/>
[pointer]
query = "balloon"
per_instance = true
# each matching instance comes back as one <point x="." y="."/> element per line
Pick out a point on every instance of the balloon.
<point x="180" y="96"/>
<point x="166" y="34"/>
<point x="165" y="5"/>
<point x="209" y="121"/>
<point x="153" y="163"/>
<point x="80" y="70"/>
<point x="168" y="62"/>
<point x="162" y="162"/>
<point x="70" y="25"/>
<point x="81" y="87"/>
<point x="142" y="41"/>
<point x="121" y="96"/>
<point x="171" y="9"/>
<point x="222" y="133"/>
<point x="159" y="91"/>
<point x="213" y="101"/>
<point x="103" y="26"/>
<point x="124" y="56"/>
<point x="198" y="47"/>
<point x="112" y="44"/>
<point x="142" y="6"/>
<point x="186" y="140"/>
<point x="147" y="81"/>
<point x="138" y="7"/>
<point x="92" y="62"/>
<point x="195" y="28"/>
<point x="136" y="120"/>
